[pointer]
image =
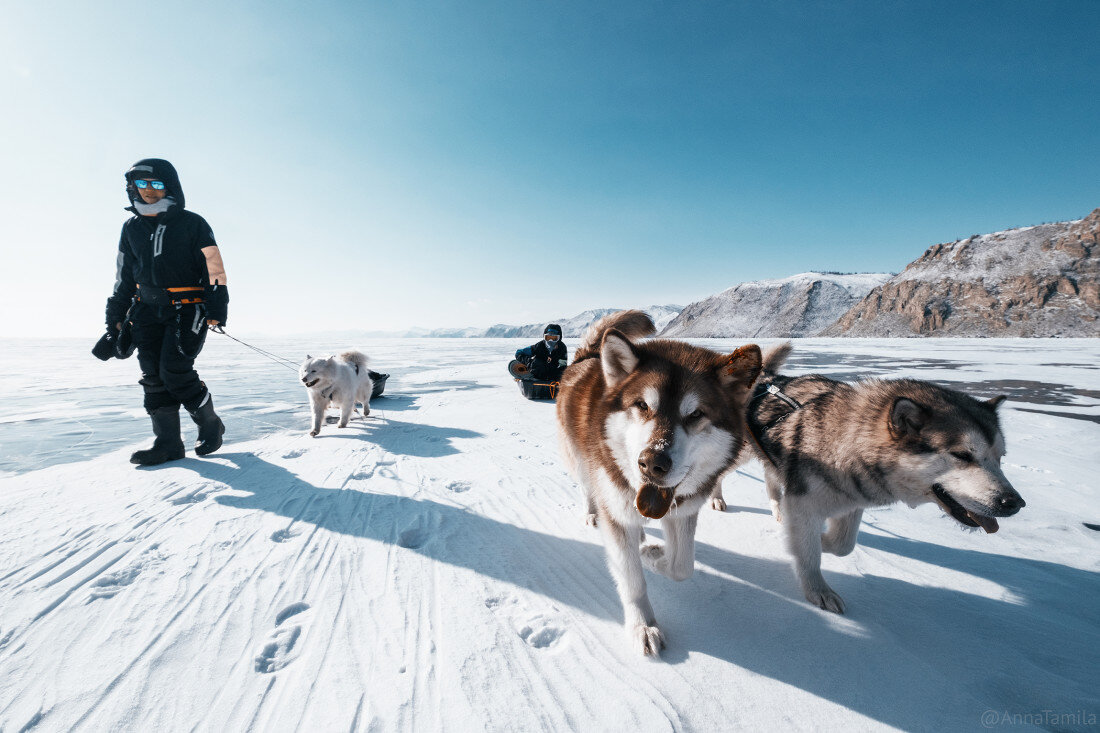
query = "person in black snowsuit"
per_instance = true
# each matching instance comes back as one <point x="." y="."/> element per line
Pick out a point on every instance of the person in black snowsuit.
<point x="170" y="286"/>
<point x="547" y="358"/>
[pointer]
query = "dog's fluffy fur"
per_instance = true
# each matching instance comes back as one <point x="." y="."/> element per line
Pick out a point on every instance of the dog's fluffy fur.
<point x="850" y="447"/>
<point x="648" y="428"/>
<point x="341" y="380"/>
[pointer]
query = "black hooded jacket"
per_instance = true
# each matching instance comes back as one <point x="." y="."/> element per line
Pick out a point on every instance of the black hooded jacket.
<point x="164" y="251"/>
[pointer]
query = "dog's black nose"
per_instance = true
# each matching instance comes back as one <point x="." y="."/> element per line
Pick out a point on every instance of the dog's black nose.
<point x="655" y="463"/>
<point x="1011" y="503"/>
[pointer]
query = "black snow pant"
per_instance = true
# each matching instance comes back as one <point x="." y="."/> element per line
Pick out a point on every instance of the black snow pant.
<point x="168" y="339"/>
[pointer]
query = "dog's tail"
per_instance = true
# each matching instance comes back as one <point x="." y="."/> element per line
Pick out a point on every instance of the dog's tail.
<point x="358" y="358"/>
<point x="774" y="358"/>
<point x="633" y="324"/>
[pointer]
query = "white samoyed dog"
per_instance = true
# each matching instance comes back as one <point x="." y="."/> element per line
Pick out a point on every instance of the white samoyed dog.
<point x="341" y="380"/>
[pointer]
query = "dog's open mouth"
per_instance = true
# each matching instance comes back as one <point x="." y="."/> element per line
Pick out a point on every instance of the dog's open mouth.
<point x="315" y="381"/>
<point x="962" y="514"/>
<point x="654" y="501"/>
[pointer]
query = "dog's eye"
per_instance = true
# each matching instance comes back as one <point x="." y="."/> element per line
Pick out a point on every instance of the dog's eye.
<point x="964" y="456"/>
<point x="695" y="415"/>
<point x="641" y="405"/>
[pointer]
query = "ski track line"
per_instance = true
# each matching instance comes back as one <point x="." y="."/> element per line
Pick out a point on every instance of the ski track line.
<point x="175" y="511"/>
<point x="81" y="583"/>
<point x="247" y="655"/>
<point x="306" y="704"/>
<point x="527" y="510"/>
<point x="358" y="712"/>
<point x="334" y="544"/>
<point x="336" y="541"/>
<point x="577" y="622"/>
<point x="601" y="588"/>
<point x="206" y="584"/>
<point x="141" y="514"/>
<point x="43" y="555"/>
<point x="260" y="705"/>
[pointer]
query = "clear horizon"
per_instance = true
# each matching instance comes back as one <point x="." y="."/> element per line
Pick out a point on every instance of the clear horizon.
<point x="378" y="168"/>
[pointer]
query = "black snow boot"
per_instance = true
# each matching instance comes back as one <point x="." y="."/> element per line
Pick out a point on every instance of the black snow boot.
<point x="211" y="427"/>
<point x="169" y="445"/>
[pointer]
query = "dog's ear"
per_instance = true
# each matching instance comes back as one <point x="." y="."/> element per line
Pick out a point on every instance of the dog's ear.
<point x="995" y="402"/>
<point x="617" y="357"/>
<point x="741" y="368"/>
<point x="308" y="356"/>
<point x="907" y="418"/>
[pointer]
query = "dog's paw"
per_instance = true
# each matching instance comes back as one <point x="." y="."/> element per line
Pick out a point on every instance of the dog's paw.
<point x="648" y="639"/>
<point x="826" y="599"/>
<point x="342" y="425"/>
<point x="313" y="433"/>
<point x="652" y="555"/>
<point x="717" y="503"/>
<point x="590" y="520"/>
<point x="775" y="511"/>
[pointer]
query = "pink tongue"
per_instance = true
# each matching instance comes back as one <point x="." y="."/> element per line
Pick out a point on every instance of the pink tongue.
<point x="989" y="524"/>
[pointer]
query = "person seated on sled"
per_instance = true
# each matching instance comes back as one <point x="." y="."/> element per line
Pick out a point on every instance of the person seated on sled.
<point x="169" y="288"/>
<point x="547" y="358"/>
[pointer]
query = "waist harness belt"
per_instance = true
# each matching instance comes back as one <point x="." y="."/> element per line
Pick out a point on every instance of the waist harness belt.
<point x="152" y="295"/>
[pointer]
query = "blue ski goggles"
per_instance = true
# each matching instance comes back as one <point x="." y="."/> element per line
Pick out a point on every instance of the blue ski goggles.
<point x="142" y="183"/>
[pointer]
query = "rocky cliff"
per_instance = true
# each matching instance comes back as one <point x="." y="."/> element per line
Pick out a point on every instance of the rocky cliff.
<point x="1036" y="281"/>
<point x="800" y="305"/>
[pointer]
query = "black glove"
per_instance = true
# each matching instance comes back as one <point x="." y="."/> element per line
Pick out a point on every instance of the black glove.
<point x="114" y="344"/>
<point x="104" y="349"/>
<point x="216" y="299"/>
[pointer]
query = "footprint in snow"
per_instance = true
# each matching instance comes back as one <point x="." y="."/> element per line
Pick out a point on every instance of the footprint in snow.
<point x="111" y="584"/>
<point x="539" y="631"/>
<point x="382" y="468"/>
<point x="193" y="498"/>
<point x="540" y="634"/>
<point x="418" y="531"/>
<point x="459" y="487"/>
<point x="279" y="649"/>
<point x="282" y="535"/>
<point x="296" y="453"/>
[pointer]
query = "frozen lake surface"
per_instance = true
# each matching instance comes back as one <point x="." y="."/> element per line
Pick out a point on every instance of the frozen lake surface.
<point x="62" y="405"/>
<point x="428" y="568"/>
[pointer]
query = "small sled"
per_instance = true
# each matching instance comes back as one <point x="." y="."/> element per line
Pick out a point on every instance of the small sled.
<point x="379" y="381"/>
<point x="532" y="389"/>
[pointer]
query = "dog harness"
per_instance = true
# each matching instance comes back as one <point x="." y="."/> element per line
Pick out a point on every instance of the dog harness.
<point x="763" y="390"/>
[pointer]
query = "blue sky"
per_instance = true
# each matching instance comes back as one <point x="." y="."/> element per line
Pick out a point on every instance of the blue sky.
<point x="387" y="165"/>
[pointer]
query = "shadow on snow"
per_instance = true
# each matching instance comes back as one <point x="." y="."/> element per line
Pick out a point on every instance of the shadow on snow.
<point x="910" y="655"/>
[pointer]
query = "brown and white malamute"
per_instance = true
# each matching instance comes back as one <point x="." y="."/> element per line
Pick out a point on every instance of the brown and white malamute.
<point x="648" y="428"/>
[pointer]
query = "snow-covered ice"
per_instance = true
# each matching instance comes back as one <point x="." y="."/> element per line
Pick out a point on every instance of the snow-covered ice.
<point x="429" y="568"/>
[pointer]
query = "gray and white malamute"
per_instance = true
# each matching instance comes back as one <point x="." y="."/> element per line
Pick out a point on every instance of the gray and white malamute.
<point x="831" y="450"/>
<point x="648" y="428"/>
<point x="341" y="380"/>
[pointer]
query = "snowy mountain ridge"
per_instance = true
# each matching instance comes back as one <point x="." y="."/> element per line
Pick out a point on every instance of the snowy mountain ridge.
<point x="799" y="305"/>
<point x="575" y="327"/>
<point x="1034" y="281"/>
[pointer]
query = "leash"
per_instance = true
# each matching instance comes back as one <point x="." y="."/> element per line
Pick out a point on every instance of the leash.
<point x="273" y="357"/>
